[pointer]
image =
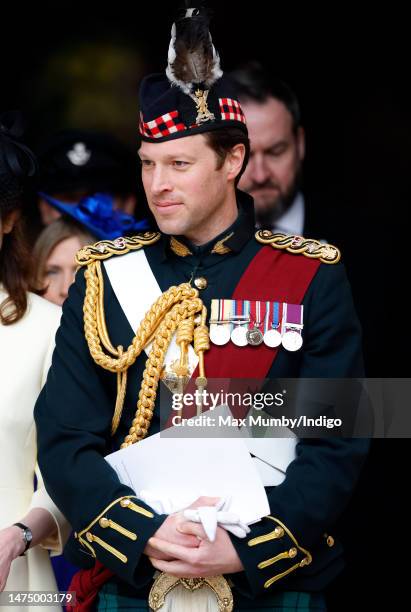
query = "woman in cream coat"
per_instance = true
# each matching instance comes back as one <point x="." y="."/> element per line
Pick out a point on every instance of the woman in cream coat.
<point x="27" y="328"/>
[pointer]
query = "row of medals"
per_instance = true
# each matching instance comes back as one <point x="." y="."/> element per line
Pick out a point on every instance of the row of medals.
<point x="241" y="335"/>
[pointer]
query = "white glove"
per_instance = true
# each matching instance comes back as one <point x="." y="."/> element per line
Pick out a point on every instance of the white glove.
<point x="211" y="516"/>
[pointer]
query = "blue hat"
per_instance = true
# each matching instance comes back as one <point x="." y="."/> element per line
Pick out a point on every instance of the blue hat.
<point x="99" y="216"/>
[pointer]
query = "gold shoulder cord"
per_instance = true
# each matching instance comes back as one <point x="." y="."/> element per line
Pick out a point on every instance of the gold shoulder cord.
<point x="176" y="309"/>
<point x="313" y="249"/>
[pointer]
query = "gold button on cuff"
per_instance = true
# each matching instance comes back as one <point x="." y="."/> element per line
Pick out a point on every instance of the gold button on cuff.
<point x="292" y="552"/>
<point x="89" y="536"/>
<point x="104" y="522"/>
<point x="330" y="541"/>
<point x="305" y="561"/>
<point x="200" y="282"/>
<point x="128" y="503"/>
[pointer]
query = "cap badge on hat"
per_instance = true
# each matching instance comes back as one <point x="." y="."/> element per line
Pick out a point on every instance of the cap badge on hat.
<point x="200" y="98"/>
<point x="79" y="155"/>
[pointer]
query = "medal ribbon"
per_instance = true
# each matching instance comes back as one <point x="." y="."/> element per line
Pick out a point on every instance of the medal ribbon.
<point x="276" y="315"/>
<point x="294" y="314"/>
<point x="267" y="316"/>
<point x="228" y="313"/>
<point x="238" y="312"/>
<point x="257" y="314"/>
<point x="214" y="310"/>
<point x="277" y="310"/>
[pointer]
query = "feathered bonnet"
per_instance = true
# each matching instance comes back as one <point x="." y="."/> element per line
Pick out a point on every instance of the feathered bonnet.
<point x="17" y="162"/>
<point x="193" y="96"/>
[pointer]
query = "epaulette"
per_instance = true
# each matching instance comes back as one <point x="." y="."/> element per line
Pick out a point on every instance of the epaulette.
<point x="326" y="253"/>
<point x="120" y="246"/>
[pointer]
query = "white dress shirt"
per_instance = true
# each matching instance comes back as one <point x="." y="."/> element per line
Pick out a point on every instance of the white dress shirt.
<point x="292" y="221"/>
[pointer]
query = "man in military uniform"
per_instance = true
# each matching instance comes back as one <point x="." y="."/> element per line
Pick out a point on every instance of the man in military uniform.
<point x="194" y="148"/>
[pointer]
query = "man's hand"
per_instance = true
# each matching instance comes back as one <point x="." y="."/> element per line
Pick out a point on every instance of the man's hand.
<point x="170" y="531"/>
<point x="207" y="559"/>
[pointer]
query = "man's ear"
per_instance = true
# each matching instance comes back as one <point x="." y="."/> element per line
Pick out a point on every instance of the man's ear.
<point x="9" y="221"/>
<point x="235" y="160"/>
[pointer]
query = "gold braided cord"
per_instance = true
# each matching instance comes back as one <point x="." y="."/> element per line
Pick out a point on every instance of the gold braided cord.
<point x="313" y="249"/>
<point x="201" y="339"/>
<point x="146" y="330"/>
<point x="185" y="331"/>
<point x="121" y="394"/>
<point x="184" y="337"/>
<point x="175" y="310"/>
<point x="154" y="364"/>
<point x="103" y="334"/>
<point x="201" y="344"/>
<point x="101" y="321"/>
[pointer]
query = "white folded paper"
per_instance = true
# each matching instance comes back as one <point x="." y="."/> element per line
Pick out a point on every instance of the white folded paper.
<point x="170" y="473"/>
<point x="179" y="471"/>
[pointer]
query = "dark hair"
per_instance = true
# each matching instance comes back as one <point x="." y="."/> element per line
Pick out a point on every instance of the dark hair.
<point x="15" y="274"/>
<point x="221" y="141"/>
<point x="254" y="84"/>
<point x="16" y="164"/>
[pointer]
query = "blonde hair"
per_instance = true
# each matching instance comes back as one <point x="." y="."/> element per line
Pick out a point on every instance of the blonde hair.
<point x="59" y="230"/>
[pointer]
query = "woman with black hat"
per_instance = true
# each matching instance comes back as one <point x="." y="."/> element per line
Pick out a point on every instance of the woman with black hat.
<point x="29" y="521"/>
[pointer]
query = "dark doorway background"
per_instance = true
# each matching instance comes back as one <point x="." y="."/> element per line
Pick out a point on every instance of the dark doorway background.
<point x="350" y="70"/>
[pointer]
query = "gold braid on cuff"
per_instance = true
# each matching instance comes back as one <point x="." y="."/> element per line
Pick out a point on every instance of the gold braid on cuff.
<point x="87" y="538"/>
<point x="279" y="532"/>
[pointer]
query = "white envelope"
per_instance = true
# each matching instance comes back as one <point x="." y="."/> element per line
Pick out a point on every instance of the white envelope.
<point x="274" y="456"/>
<point x="179" y="470"/>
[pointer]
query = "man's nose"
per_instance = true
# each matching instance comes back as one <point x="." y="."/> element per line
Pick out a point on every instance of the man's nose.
<point x="160" y="181"/>
<point x="259" y="169"/>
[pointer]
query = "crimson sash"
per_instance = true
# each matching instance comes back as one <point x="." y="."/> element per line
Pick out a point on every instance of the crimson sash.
<point x="86" y="585"/>
<point x="272" y="275"/>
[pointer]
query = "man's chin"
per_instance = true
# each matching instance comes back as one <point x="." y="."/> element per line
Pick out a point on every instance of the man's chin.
<point x="266" y="206"/>
<point x="170" y="227"/>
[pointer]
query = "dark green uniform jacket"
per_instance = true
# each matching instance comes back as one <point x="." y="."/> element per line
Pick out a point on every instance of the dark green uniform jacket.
<point x="75" y="410"/>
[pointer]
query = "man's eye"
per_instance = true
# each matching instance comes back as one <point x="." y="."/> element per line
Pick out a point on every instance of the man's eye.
<point x="277" y="152"/>
<point x="146" y="162"/>
<point x="180" y="164"/>
<point x="51" y="272"/>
